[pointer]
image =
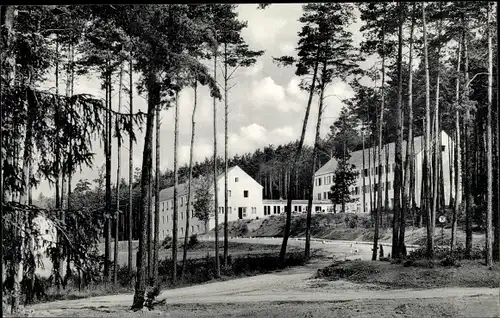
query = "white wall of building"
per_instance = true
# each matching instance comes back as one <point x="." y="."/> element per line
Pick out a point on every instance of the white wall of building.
<point x="244" y="197"/>
<point x="324" y="180"/>
<point x="244" y="202"/>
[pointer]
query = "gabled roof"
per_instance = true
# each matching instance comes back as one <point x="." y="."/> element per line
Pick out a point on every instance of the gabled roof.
<point x="182" y="188"/>
<point x="357" y="156"/>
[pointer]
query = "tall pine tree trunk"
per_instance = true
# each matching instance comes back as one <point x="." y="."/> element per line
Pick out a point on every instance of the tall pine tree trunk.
<point x="293" y="173"/>
<point x="216" y="199"/>
<point x="176" y="185"/>
<point x="380" y="145"/>
<point x="150" y="223"/>
<point x="457" y="156"/>
<point x="190" y="177"/>
<point x="436" y="148"/>
<point x="226" y="107"/>
<point x="70" y="147"/>
<point x="426" y="203"/>
<point x="156" y="238"/>
<point x="117" y="213"/>
<point x="489" y="151"/>
<point x="130" y="169"/>
<point x="317" y="140"/>
<point x="469" y="201"/>
<point x="153" y="101"/>
<point x="409" y="143"/>
<point x="399" y="215"/>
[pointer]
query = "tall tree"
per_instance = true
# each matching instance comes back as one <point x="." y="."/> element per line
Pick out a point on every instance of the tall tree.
<point x="215" y="172"/>
<point x="399" y="215"/>
<point x="176" y="198"/>
<point x="489" y="151"/>
<point x="190" y="177"/>
<point x="309" y="48"/>
<point x="235" y="54"/>
<point x="156" y="245"/>
<point x="118" y="179"/>
<point x="426" y="203"/>
<point x="130" y="165"/>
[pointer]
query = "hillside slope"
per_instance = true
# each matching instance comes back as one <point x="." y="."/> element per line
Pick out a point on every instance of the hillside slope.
<point x="339" y="226"/>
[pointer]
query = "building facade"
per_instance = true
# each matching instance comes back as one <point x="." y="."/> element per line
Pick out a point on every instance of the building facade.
<point x="324" y="177"/>
<point x="244" y="202"/>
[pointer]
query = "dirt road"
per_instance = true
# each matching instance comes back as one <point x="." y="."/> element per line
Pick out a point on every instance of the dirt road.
<point x="291" y="286"/>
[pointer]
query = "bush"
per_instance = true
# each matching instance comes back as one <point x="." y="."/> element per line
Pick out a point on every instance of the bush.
<point x="193" y="240"/>
<point x="125" y="276"/>
<point x="355" y="270"/>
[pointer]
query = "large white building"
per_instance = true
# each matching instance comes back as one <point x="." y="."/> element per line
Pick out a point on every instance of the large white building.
<point x="325" y="175"/>
<point x="244" y="202"/>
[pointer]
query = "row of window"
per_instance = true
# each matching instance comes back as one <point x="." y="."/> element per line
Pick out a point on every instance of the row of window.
<point x="180" y="231"/>
<point x="355" y="190"/>
<point x="327" y="180"/>
<point x="170" y="203"/>
<point x="296" y="208"/>
<point x="181" y="214"/>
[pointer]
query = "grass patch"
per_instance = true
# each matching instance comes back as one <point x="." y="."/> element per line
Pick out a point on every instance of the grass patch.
<point x="471" y="273"/>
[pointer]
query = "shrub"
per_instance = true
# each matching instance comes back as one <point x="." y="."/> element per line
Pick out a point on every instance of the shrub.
<point x="356" y="270"/>
<point x="450" y="261"/>
<point x="193" y="240"/>
<point x="125" y="276"/>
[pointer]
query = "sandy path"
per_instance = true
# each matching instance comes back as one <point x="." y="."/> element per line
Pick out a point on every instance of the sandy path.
<point x="290" y="285"/>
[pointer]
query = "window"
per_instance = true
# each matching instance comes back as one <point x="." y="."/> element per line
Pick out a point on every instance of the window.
<point x="245" y="193"/>
<point x="324" y="195"/>
<point x="198" y="228"/>
<point x="365" y="172"/>
<point x="229" y="193"/>
<point x="319" y="181"/>
<point x="300" y="208"/>
<point x="167" y="218"/>
<point x="230" y="210"/>
<point x="164" y="219"/>
<point x="192" y="228"/>
<point x="163" y="233"/>
<point x="317" y="209"/>
<point x="244" y="210"/>
<point x="443" y="147"/>
<point x="163" y="207"/>
<point x="46" y="231"/>
<point x="182" y="216"/>
<point x="294" y="208"/>
<point x="236" y="179"/>
<point x="389" y="185"/>
<point x="182" y="201"/>
<point x="182" y="230"/>
<point x="319" y="196"/>
<point x="254" y="210"/>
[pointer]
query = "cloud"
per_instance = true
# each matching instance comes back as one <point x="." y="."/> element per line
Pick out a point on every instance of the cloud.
<point x="285" y="132"/>
<point x="287" y="49"/>
<point x="254" y="132"/>
<point x="266" y="93"/>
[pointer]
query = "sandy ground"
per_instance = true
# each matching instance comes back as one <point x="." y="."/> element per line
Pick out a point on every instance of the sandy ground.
<point x="293" y="293"/>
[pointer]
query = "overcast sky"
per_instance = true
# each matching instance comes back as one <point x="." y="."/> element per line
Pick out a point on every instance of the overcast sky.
<point x="265" y="107"/>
